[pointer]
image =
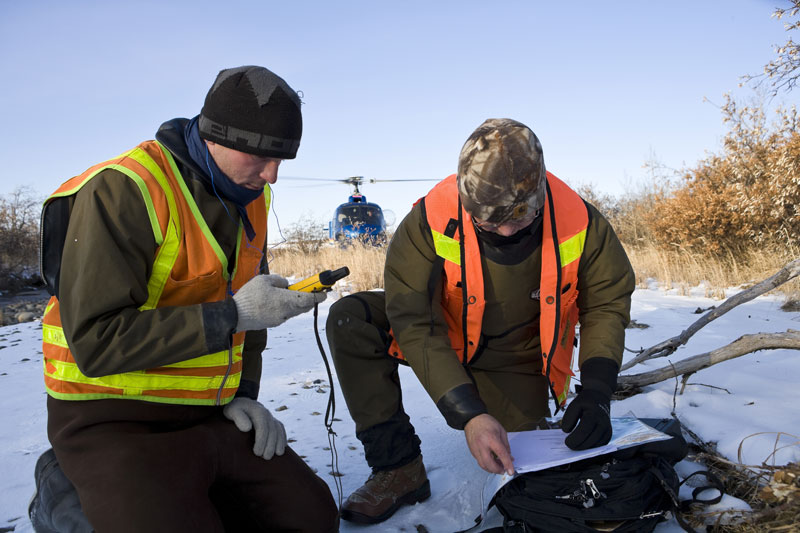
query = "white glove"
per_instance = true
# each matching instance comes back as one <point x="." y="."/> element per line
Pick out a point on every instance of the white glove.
<point x="264" y="302"/>
<point x="248" y="414"/>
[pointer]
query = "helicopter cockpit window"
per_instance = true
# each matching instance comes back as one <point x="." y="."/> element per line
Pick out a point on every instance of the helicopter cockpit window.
<point x="359" y="215"/>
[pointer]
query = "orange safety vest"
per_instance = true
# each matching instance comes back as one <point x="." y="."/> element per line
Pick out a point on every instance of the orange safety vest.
<point x="565" y="222"/>
<point x="186" y="251"/>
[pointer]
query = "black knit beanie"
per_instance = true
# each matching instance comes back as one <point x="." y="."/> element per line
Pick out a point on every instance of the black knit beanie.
<point x="252" y="110"/>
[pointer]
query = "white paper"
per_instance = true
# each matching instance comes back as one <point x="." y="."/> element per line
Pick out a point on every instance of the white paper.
<point x="544" y="448"/>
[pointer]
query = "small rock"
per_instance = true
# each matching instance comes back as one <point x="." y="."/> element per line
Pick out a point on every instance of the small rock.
<point x="281" y="408"/>
<point x="25" y="316"/>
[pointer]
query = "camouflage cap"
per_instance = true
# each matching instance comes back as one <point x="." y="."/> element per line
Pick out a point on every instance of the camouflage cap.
<point x="501" y="174"/>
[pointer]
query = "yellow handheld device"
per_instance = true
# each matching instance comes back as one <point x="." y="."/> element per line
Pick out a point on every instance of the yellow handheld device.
<point x="320" y="282"/>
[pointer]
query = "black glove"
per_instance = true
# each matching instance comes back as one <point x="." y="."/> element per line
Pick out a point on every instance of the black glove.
<point x="591" y="406"/>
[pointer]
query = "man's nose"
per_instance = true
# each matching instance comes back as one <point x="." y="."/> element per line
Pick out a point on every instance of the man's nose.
<point x="270" y="171"/>
<point x="506" y="230"/>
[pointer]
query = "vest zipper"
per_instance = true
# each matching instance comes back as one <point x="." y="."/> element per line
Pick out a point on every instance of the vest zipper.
<point x="230" y="361"/>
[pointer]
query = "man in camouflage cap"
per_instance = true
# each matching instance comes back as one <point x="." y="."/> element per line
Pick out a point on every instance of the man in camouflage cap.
<point x="486" y="279"/>
<point x="501" y="174"/>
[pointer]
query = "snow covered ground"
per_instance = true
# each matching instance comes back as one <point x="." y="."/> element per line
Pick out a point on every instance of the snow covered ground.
<point x="746" y="401"/>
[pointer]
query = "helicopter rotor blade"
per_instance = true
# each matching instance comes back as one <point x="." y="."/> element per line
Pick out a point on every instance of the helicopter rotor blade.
<point x="376" y="180"/>
<point x="351" y="180"/>
<point x="355" y="181"/>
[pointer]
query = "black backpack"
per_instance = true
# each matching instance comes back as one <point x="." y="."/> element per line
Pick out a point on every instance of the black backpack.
<point x="629" y="490"/>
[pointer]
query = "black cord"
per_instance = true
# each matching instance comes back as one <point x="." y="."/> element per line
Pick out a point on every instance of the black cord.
<point x="330" y="411"/>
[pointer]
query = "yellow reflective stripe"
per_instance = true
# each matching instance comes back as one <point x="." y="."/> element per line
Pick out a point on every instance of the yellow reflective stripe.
<point x="212" y="359"/>
<point x="133" y="383"/>
<point x="53" y="335"/>
<point x="165" y="259"/>
<point x="148" y="202"/>
<point x="446" y="247"/>
<point x="572" y="248"/>
<point x="144" y="159"/>
<point x="563" y="396"/>
<point x="204" y="227"/>
<point x="267" y="198"/>
<point x="167" y="252"/>
<point x="143" y="397"/>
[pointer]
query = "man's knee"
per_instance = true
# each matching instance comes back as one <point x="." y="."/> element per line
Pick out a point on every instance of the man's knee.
<point x="346" y="311"/>
<point x="357" y="328"/>
<point x="363" y="307"/>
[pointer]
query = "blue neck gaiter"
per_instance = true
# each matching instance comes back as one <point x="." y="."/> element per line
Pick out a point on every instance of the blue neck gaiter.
<point x="220" y="183"/>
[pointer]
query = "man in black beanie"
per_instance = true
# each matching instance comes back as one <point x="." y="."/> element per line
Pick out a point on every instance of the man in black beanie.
<point x="161" y="298"/>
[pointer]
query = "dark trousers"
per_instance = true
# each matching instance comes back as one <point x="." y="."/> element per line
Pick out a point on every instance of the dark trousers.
<point x="358" y="336"/>
<point x="357" y="331"/>
<point x="152" y="467"/>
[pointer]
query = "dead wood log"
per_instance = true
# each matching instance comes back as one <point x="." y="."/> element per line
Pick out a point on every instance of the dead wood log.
<point x="741" y="346"/>
<point x="665" y="348"/>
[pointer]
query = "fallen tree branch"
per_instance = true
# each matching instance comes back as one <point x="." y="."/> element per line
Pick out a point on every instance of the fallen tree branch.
<point x="665" y="348"/>
<point x="741" y="346"/>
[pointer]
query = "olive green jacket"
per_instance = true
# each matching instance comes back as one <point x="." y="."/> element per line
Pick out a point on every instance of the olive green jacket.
<point x="106" y="263"/>
<point x="510" y="330"/>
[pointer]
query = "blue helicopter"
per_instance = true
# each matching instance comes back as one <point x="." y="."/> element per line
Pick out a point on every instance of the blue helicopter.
<point x="358" y="219"/>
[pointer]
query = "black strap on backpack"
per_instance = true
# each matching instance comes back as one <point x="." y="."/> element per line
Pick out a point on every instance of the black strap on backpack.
<point x="686" y="506"/>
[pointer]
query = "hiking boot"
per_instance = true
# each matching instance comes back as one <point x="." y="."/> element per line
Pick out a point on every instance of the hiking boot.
<point x="55" y="507"/>
<point x="385" y="491"/>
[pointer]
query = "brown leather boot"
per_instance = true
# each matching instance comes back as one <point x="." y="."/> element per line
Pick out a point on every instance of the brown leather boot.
<point x="385" y="491"/>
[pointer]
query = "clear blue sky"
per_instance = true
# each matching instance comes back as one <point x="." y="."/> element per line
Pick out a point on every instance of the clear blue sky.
<point x="391" y="89"/>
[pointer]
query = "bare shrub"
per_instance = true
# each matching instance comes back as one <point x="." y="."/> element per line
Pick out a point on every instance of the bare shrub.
<point x="307" y="235"/>
<point x="746" y="197"/>
<point x="626" y="213"/>
<point x="19" y="238"/>
<point x="783" y="72"/>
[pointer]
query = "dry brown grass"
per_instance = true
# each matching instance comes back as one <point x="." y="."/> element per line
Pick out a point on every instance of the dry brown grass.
<point x="670" y="268"/>
<point x="681" y="269"/>
<point x="365" y="264"/>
